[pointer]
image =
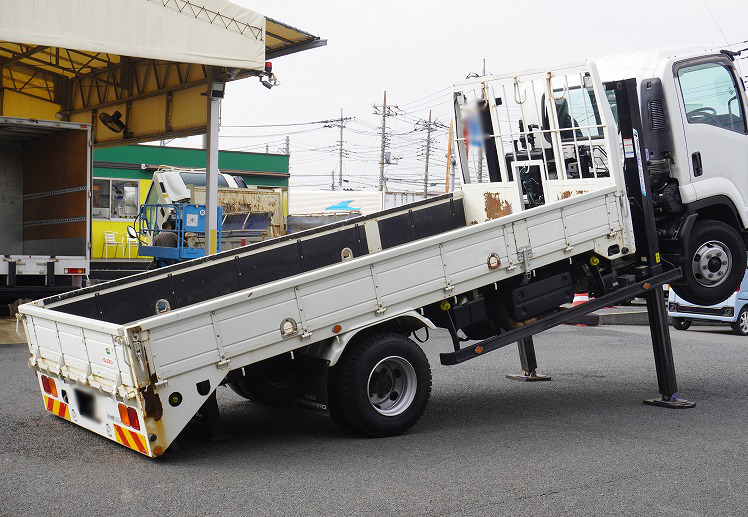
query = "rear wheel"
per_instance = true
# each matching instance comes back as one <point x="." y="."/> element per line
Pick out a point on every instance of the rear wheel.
<point x="381" y="385"/>
<point x="271" y="382"/>
<point x="740" y="327"/>
<point x="681" y="323"/>
<point x="715" y="266"/>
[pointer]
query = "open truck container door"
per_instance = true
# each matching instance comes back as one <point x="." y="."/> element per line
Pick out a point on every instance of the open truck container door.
<point x="45" y="176"/>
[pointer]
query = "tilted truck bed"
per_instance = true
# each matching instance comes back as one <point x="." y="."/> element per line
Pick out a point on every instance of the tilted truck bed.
<point x="159" y="343"/>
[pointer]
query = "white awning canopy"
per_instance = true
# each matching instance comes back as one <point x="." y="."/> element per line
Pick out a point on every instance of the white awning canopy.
<point x="146" y="62"/>
<point x="207" y="32"/>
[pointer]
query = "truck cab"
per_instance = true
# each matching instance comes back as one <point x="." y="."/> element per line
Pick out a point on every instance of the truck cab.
<point x="546" y="142"/>
<point x="693" y="105"/>
<point x="172" y="185"/>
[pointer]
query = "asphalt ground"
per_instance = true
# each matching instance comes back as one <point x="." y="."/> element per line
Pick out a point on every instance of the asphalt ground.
<point x="582" y="444"/>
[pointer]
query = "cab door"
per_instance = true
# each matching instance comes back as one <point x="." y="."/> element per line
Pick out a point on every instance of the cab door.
<point x="712" y="104"/>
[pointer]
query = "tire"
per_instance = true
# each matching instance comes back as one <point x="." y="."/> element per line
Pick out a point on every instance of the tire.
<point x="740" y="327"/>
<point x="271" y="382"/>
<point x="715" y="249"/>
<point x="681" y="323"/>
<point x="380" y="386"/>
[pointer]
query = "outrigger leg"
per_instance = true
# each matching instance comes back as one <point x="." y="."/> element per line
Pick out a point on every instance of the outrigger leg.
<point x="528" y="362"/>
<point x="663" y="354"/>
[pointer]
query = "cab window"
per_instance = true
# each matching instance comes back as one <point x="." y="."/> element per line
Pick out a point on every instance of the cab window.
<point x="710" y="96"/>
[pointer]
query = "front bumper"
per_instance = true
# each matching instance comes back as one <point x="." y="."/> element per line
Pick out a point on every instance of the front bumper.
<point x="724" y="314"/>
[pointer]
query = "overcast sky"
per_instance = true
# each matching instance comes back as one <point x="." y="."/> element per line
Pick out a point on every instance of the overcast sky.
<point x="416" y="49"/>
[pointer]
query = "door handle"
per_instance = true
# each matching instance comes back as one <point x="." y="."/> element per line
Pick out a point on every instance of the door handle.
<point x="698" y="169"/>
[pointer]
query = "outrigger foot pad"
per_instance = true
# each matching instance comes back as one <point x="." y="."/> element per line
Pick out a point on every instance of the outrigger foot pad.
<point x="531" y="376"/>
<point x="671" y="401"/>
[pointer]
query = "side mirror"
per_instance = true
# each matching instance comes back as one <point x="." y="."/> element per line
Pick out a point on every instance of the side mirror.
<point x="131" y="232"/>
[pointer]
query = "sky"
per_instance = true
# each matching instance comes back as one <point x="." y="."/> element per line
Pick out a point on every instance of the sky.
<point x="416" y="50"/>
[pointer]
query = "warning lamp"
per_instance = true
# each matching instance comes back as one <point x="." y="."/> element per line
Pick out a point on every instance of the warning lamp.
<point x="268" y="67"/>
<point x="445" y="305"/>
<point x="594" y="260"/>
<point x="336" y="329"/>
<point x="49" y="386"/>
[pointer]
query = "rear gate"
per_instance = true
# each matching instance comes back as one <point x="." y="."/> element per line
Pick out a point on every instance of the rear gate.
<point x="85" y="377"/>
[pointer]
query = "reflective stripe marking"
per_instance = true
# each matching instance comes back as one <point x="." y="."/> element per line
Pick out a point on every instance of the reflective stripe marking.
<point x="56" y="407"/>
<point x="130" y="439"/>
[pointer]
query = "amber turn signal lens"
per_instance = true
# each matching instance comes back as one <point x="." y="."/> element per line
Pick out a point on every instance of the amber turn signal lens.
<point x="478" y="349"/>
<point x="336" y="329"/>
<point x="123" y="414"/>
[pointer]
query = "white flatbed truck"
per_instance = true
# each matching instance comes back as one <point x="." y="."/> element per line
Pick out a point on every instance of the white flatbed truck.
<point x="323" y="317"/>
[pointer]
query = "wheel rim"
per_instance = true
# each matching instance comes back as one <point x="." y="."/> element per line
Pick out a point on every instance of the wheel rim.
<point x="744" y="322"/>
<point x="711" y="263"/>
<point x="392" y="386"/>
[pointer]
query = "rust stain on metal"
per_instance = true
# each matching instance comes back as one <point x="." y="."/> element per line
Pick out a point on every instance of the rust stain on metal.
<point x="153" y="406"/>
<point x="495" y="206"/>
<point x="566" y="194"/>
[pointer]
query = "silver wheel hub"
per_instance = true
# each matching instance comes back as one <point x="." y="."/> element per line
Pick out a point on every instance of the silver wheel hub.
<point x="744" y="322"/>
<point x="711" y="263"/>
<point x="392" y="386"/>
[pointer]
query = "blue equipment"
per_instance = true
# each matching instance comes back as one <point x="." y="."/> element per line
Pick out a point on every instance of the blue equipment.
<point x="189" y="227"/>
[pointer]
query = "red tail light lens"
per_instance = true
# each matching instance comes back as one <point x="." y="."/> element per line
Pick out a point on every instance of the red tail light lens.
<point x="124" y="414"/>
<point x="49" y="385"/>
<point x="75" y="271"/>
<point x="134" y="421"/>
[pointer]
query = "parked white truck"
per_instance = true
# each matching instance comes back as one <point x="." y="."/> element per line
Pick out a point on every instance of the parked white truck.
<point x="324" y="317"/>
<point x="45" y="174"/>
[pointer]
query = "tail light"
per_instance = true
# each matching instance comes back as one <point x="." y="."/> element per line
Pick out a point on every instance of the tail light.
<point x="123" y="414"/>
<point x="129" y="416"/>
<point x="134" y="421"/>
<point x="75" y="271"/>
<point x="49" y="386"/>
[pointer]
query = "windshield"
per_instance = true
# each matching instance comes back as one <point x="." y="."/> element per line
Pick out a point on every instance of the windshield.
<point x="197" y="179"/>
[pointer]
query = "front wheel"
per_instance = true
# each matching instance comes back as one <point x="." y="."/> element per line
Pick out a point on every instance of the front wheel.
<point x="381" y="385"/>
<point x="740" y="327"/>
<point x="681" y="323"/>
<point x="715" y="266"/>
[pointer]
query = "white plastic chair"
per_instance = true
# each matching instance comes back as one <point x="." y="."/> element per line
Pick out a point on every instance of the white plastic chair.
<point x="131" y="243"/>
<point x="112" y="239"/>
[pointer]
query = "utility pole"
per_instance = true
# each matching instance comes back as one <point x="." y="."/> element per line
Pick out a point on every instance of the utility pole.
<point x="340" y="173"/>
<point x="428" y="152"/>
<point x="332" y="184"/>
<point x="449" y="154"/>
<point x="386" y="112"/>
<point x="267" y="149"/>
<point x="288" y="146"/>
<point x="483" y="140"/>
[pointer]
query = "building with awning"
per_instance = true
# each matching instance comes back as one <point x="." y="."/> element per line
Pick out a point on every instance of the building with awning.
<point x="136" y="70"/>
<point x="149" y="60"/>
